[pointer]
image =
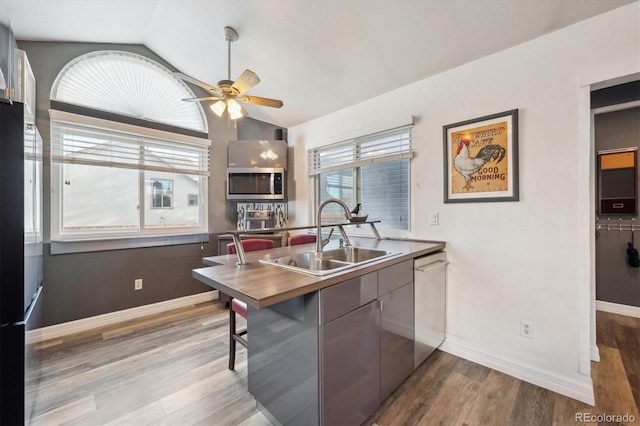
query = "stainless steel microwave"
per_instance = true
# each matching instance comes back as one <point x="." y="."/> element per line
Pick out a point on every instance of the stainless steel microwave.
<point x="256" y="184"/>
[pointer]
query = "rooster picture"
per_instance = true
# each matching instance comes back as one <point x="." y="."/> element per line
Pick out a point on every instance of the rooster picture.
<point x="468" y="166"/>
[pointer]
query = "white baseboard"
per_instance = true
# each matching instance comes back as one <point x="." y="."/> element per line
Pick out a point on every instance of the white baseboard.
<point x="581" y="390"/>
<point x="617" y="308"/>
<point x="84" y="324"/>
<point x="595" y="353"/>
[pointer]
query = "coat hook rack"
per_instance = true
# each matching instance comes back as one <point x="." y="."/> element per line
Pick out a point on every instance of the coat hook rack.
<point x="623" y="224"/>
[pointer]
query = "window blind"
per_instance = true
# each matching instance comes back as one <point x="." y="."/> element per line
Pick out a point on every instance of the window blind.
<point x="84" y="140"/>
<point x="384" y="193"/>
<point x="390" y="145"/>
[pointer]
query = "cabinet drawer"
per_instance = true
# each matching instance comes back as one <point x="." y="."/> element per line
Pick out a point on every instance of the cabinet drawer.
<point x="395" y="276"/>
<point x="347" y="296"/>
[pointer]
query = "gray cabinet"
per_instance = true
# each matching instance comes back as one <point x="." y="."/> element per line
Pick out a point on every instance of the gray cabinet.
<point x="331" y="357"/>
<point x="367" y="342"/>
<point x="351" y="367"/>
<point x="396" y="297"/>
<point x="349" y="351"/>
<point x="396" y="338"/>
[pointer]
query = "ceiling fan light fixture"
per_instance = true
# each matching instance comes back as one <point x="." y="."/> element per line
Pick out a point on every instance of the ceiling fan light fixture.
<point x="235" y="110"/>
<point x="219" y="107"/>
<point x="225" y="95"/>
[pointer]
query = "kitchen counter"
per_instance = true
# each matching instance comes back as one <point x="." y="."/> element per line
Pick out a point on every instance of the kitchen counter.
<point x="260" y="285"/>
<point x="322" y="350"/>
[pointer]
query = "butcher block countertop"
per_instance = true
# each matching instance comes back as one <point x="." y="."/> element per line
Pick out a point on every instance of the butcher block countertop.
<point x="260" y="285"/>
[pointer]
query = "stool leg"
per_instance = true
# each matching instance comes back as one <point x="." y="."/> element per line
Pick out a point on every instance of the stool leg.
<point x="232" y="341"/>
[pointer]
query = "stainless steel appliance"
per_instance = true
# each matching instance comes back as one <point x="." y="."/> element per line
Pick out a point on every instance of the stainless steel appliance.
<point x="256" y="184"/>
<point x="430" y="282"/>
<point x="256" y="170"/>
<point x="258" y="219"/>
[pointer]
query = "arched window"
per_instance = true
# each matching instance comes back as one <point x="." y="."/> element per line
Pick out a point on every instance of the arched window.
<point x="128" y="84"/>
<point x="129" y="157"/>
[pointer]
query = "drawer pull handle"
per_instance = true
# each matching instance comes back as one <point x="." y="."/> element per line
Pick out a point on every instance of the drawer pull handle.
<point x="433" y="266"/>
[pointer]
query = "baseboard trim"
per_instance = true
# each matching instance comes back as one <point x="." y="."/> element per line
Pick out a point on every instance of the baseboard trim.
<point x="595" y="353"/>
<point x="617" y="308"/>
<point x="581" y="390"/>
<point x="64" y="329"/>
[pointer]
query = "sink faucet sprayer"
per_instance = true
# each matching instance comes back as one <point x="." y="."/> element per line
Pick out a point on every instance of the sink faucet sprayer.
<point x="320" y="243"/>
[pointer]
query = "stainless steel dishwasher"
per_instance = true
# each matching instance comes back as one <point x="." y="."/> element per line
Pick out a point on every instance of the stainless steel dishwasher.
<point x="430" y="281"/>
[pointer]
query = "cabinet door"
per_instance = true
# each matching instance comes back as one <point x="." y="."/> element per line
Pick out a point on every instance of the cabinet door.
<point x="396" y="338"/>
<point x="350" y="366"/>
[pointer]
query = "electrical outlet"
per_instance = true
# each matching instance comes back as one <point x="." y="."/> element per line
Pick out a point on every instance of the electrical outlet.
<point x="138" y="284"/>
<point x="526" y="329"/>
<point x="434" y="218"/>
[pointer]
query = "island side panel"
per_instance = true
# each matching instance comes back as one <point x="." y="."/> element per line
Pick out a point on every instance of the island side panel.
<point x="283" y="359"/>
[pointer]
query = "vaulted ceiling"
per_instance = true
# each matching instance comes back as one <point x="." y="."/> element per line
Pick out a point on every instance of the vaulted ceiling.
<point x="317" y="56"/>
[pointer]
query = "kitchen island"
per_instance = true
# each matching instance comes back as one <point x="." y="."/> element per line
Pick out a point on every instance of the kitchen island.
<point x="325" y="349"/>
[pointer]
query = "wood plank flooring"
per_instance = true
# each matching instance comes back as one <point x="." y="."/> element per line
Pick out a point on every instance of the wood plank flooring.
<point x="171" y="369"/>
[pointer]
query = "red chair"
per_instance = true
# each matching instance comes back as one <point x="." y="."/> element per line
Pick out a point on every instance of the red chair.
<point x="237" y="306"/>
<point x="301" y="239"/>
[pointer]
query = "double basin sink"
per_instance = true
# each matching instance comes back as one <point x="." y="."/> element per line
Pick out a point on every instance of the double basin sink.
<point x="329" y="261"/>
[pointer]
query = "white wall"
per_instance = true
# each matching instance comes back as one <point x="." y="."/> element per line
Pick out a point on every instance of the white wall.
<point x="509" y="260"/>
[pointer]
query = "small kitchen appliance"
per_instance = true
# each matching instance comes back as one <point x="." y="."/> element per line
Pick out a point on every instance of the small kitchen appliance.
<point x="258" y="219"/>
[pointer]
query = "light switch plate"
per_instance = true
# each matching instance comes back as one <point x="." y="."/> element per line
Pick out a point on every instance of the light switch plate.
<point x="434" y="218"/>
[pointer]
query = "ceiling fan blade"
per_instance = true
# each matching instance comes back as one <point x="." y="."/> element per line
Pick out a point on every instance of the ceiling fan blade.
<point x="209" y="88"/>
<point x="273" y="103"/>
<point x="246" y="81"/>
<point x="208" y="98"/>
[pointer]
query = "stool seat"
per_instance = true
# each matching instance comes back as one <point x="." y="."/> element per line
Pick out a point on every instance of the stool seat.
<point x="251" y="244"/>
<point x="301" y="239"/>
<point x="239" y="307"/>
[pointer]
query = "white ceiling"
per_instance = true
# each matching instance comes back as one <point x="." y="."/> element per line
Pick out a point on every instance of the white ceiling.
<point x="316" y="56"/>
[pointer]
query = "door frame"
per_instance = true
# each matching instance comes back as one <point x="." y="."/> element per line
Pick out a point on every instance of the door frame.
<point x="604" y="76"/>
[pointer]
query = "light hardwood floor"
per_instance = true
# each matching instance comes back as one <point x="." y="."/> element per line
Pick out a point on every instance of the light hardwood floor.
<point x="171" y="369"/>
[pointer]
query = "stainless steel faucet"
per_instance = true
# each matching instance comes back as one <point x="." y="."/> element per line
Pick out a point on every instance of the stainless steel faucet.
<point x="319" y="242"/>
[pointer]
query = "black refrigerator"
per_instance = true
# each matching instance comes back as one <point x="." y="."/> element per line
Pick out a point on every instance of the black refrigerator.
<point x="21" y="274"/>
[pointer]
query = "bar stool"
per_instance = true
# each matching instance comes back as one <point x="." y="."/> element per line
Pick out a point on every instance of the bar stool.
<point x="237" y="306"/>
<point x="301" y="239"/>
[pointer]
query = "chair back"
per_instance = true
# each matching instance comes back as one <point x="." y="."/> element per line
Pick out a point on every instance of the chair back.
<point x="301" y="239"/>
<point x="251" y="245"/>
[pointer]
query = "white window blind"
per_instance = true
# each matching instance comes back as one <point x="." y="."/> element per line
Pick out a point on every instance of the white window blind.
<point x="389" y="145"/>
<point x="128" y="84"/>
<point x="372" y="170"/>
<point x="85" y="140"/>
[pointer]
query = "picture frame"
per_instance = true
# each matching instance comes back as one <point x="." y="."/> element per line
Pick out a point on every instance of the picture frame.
<point x="481" y="159"/>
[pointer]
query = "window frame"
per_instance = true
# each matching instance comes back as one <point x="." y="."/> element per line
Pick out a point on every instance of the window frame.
<point x="193" y="204"/>
<point x="169" y="193"/>
<point x="152" y="236"/>
<point x="355" y="165"/>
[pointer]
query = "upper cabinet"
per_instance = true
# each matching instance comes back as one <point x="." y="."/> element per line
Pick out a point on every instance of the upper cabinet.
<point x="8" y="64"/>
<point x="617" y="189"/>
<point x="26" y="92"/>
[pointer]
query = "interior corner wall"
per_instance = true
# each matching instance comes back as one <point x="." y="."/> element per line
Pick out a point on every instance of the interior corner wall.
<point x="509" y="261"/>
<point x="81" y="285"/>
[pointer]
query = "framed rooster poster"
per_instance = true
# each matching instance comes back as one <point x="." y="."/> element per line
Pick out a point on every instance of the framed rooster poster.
<point x="481" y="159"/>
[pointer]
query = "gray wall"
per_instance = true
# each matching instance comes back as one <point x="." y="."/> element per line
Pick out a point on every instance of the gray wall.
<point x="82" y="285"/>
<point x="616" y="281"/>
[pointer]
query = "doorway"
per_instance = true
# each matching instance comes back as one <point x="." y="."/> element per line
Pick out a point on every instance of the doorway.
<point x="616" y="138"/>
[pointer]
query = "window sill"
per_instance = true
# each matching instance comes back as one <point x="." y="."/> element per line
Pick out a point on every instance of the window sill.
<point x="81" y="246"/>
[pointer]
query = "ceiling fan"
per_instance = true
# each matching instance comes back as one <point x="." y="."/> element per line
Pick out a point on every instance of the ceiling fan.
<point x="229" y="92"/>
